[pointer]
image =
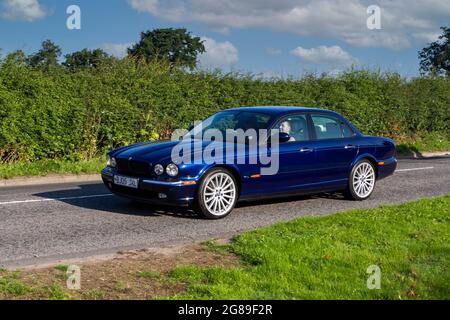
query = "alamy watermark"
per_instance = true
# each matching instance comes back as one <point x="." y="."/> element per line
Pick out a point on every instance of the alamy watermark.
<point x="231" y="146"/>
<point x="73" y="277"/>
<point x="73" y="22"/>
<point x="374" y="19"/>
<point x="374" y="280"/>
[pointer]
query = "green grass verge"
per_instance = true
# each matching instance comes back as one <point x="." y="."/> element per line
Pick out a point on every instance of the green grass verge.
<point x="45" y="167"/>
<point x="11" y="285"/>
<point x="328" y="257"/>
<point x="427" y="143"/>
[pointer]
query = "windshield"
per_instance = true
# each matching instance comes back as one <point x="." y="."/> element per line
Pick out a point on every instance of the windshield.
<point x="227" y="121"/>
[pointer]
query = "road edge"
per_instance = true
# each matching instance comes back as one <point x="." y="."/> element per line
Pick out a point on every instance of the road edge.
<point x="424" y="155"/>
<point x="49" y="179"/>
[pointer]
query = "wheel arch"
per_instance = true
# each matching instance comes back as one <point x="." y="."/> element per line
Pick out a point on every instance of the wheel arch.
<point x="368" y="157"/>
<point x="234" y="171"/>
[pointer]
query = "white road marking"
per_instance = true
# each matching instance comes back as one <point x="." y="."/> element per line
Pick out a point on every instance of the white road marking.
<point x="56" y="199"/>
<point x="414" y="169"/>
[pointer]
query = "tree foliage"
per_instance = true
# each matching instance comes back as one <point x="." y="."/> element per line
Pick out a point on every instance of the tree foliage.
<point x="86" y="59"/>
<point x="18" y="58"/>
<point x="176" y="46"/>
<point x="80" y="114"/>
<point x="46" y="57"/>
<point x="435" y="59"/>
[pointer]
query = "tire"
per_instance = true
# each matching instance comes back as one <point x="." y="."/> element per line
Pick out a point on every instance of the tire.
<point x="362" y="181"/>
<point x="217" y="194"/>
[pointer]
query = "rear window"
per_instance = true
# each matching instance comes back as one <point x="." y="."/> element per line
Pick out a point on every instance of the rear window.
<point x="329" y="127"/>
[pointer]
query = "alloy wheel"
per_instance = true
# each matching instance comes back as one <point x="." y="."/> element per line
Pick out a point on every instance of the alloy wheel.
<point x="363" y="180"/>
<point x="219" y="194"/>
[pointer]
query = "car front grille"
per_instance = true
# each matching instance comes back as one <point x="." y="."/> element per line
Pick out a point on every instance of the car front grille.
<point x="133" y="167"/>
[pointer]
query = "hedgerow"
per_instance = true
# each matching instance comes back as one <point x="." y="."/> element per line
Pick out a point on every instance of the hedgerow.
<point x="59" y="114"/>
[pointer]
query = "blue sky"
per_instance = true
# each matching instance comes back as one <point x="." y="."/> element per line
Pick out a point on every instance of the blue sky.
<point x="271" y="37"/>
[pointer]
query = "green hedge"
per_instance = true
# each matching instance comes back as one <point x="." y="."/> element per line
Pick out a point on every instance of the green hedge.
<point x="63" y="115"/>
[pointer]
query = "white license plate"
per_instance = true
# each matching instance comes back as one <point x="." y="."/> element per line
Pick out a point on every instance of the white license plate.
<point x="126" y="181"/>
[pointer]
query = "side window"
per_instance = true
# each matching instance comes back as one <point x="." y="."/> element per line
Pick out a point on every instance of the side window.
<point x="347" y="131"/>
<point x="296" y="126"/>
<point x="328" y="127"/>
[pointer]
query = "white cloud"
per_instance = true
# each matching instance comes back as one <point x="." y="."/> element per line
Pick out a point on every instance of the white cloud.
<point x="218" y="54"/>
<point x="145" y="5"/>
<point x="333" y="55"/>
<point x="402" y="21"/>
<point x="118" y="50"/>
<point x="26" y="10"/>
<point x="172" y="10"/>
<point x="427" y="36"/>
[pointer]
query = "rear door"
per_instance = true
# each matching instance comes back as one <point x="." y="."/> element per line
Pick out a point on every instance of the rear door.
<point x="335" y="146"/>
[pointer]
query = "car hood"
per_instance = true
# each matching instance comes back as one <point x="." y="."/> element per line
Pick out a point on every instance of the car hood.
<point x="159" y="152"/>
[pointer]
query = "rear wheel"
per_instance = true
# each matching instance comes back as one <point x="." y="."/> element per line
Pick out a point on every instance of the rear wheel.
<point x="361" y="181"/>
<point x="217" y="194"/>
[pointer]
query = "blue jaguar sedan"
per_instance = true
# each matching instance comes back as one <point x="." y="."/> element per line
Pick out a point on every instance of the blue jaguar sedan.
<point x="252" y="153"/>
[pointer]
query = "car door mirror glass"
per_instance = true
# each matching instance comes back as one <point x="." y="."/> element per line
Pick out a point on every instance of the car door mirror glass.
<point x="283" y="137"/>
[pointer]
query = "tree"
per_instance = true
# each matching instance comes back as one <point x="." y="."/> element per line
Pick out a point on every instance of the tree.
<point x="46" y="57"/>
<point x="435" y="59"/>
<point x="86" y="59"/>
<point x="17" y="58"/>
<point x="176" y="46"/>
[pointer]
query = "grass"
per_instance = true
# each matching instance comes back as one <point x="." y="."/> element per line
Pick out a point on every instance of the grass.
<point x="323" y="257"/>
<point x="328" y="257"/>
<point x="45" y="167"/>
<point x="95" y="295"/>
<point x="132" y="274"/>
<point x="427" y="143"/>
<point x="62" y="267"/>
<point x="57" y="292"/>
<point x="11" y="285"/>
<point x="149" y="274"/>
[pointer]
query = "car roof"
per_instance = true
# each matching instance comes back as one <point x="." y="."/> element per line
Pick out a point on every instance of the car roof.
<point x="279" y="110"/>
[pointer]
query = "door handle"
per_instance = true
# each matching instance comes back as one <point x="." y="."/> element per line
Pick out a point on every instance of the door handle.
<point x="306" y="150"/>
<point x="350" y="146"/>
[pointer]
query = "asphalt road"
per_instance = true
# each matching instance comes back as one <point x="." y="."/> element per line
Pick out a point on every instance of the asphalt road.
<point x="42" y="224"/>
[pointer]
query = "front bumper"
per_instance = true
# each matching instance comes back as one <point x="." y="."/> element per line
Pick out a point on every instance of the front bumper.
<point x="176" y="193"/>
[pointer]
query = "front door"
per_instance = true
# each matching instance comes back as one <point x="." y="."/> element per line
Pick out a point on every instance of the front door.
<point x="296" y="157"/>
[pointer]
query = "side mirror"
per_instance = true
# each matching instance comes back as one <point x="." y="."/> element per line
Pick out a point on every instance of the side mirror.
<point x="191" y="127"/>
<point x="283" y="137"/>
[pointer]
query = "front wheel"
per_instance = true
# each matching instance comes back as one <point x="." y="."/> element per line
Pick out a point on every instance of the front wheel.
<point x="361" y="181"/>
<point x="217" y="194"/>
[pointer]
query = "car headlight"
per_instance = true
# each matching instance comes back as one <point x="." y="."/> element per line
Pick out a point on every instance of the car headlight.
<point x="111" y="162"/>
<point x="172" y="170"/>
<point x="158" y="169"/>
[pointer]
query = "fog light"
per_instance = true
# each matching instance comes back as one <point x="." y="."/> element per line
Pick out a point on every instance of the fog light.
<point x="162" y="195"/>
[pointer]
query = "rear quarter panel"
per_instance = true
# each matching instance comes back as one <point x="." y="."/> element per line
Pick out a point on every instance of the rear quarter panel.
<point x="379" y="150"/>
